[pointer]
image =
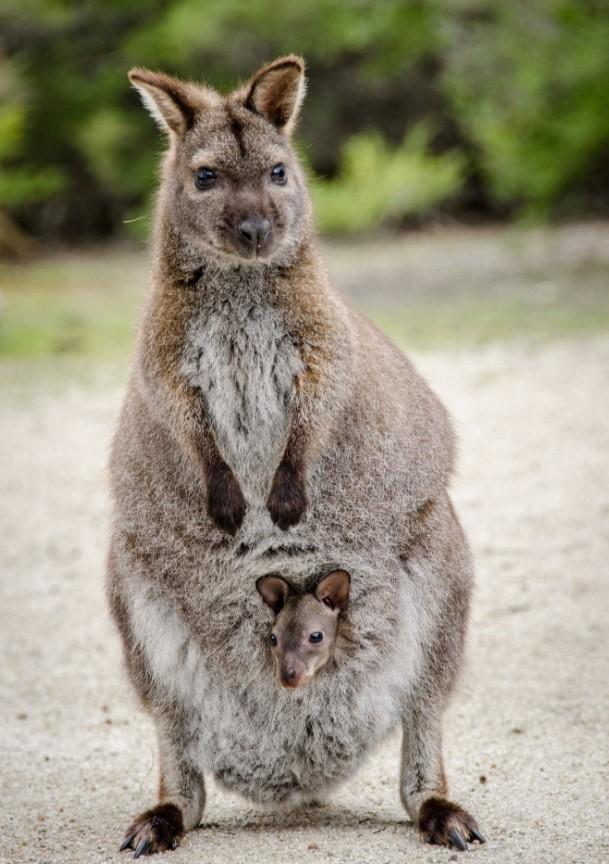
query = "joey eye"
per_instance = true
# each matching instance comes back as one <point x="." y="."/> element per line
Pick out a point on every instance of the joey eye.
<point x="279" y="174"/>
<point x="316" y="637"/>
<point x="205" y="178"/>
<point x="273" y="640"/>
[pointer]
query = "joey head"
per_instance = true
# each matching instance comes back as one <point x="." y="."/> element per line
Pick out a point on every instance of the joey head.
<point x="304" y="632"/>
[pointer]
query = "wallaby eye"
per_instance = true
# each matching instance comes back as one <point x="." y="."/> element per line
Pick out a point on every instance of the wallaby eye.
<point x="204" y="178"/>
<point x="279" y="174"/>
<point x="273" y="640"/>
<point x="316" y="637"/>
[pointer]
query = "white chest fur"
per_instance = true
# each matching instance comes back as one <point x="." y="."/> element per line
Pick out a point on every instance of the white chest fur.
<point x="244" y="362"/>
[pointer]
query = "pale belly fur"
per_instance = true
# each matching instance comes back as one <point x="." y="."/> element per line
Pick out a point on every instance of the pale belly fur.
<point x="262" y="741"/>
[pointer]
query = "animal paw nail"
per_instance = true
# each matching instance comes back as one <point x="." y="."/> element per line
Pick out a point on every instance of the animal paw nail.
<point x="142" y="848"/>
<point x="477" y="835"/>
<point x="457" y="839"/>
<point x="127" y="842"/>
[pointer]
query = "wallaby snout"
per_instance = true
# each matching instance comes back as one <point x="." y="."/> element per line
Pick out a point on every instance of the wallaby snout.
<point x="253" y="235"/>
<point x="293" y="673"/>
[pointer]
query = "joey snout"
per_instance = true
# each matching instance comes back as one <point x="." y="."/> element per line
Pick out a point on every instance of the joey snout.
<point x="291" y="670"/>
<point x="303" y="637"/>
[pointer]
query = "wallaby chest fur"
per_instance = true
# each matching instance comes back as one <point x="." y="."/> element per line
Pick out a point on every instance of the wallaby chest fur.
<point x="240" y="357"/>
<point x="268" y="428"/>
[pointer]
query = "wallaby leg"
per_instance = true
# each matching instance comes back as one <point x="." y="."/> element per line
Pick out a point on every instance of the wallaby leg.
<point x="423" y="786"/>
<point x="181" y="795"/>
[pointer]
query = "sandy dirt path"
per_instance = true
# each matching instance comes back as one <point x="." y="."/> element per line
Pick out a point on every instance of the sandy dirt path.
<point x="527" y="745"/>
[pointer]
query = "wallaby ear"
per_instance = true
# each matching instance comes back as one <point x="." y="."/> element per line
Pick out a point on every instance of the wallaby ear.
<point x="276" y="92"/>
<point x="333" y="590"/>
<point x="172" y="103"/>
<point x="274" y="591"/>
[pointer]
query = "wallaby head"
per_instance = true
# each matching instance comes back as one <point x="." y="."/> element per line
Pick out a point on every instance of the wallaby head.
<point x="232" y="186"/>
<point x="305" y="628"/>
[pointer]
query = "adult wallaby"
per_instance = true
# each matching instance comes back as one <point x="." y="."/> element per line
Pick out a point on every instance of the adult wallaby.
<point x="259" y="402"/>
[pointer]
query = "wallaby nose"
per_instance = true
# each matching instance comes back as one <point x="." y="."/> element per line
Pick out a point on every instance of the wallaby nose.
<point x="254" y="231"/>
<point x="289" y="676"/>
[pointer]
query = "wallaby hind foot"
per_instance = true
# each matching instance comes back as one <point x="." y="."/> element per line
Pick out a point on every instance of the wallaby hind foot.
<point x="181" y="793"/>
<point x="446" y="824"/>
<point x="155" y="830"/>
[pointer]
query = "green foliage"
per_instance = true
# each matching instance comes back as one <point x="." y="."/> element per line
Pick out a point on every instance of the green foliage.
<point x="380" y="186"/>
<point x="516" y="92"/>
<point x="21" y="184"/>
<point x="529" y="86"/>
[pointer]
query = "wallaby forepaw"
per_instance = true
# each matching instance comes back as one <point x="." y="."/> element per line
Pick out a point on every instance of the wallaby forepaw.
<point x="447" y="824"/>
<point x="287" y="500"/>
<point x="156" y="830"/>
<point x="225" y="501"/>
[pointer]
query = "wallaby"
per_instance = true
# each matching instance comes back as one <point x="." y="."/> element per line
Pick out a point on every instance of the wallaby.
<point x="268" y="427"/>
<point x="304" y="634"/>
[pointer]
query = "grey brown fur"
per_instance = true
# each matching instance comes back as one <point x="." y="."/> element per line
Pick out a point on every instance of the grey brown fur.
<point x="269" y="428"/>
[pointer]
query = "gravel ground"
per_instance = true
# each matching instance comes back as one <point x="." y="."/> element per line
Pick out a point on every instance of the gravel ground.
<point x="526" y="737"/>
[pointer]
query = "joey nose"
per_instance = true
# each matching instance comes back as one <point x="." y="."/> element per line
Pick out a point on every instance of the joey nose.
<point x="254" y="231"/>
<point x="289" y="676"/>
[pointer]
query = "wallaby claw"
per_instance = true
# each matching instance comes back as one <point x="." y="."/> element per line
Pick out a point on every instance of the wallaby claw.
<point x="142" y="848"/>
<point x="127" y="841"/>
<point x="476" y="834"/>
<point x="457" y="839"/>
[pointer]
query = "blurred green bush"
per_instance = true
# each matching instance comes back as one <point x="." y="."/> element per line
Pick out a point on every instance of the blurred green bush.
<point x="378" y="185"/>
<point x="515" y="95"/>
<point x="528" y="84"/>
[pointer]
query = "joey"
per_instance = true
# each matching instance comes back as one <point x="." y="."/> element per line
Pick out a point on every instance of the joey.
<point x="304" y="632"/>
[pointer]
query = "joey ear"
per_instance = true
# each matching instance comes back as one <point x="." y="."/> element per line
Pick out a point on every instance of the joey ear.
<point x="172" y="103"/>
<point x="276" y="92"/>
<point x="274" y="591"/>
<point x="333" y="590"/>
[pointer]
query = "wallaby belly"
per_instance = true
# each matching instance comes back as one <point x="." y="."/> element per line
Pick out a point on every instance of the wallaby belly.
<point x="264" y="742"/>
<point x="244" y="363"/>
<point x="290" y="746"/>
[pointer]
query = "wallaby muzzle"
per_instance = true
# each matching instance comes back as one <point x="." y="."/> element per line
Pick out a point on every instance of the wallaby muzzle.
<point x="293" y="673"/>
